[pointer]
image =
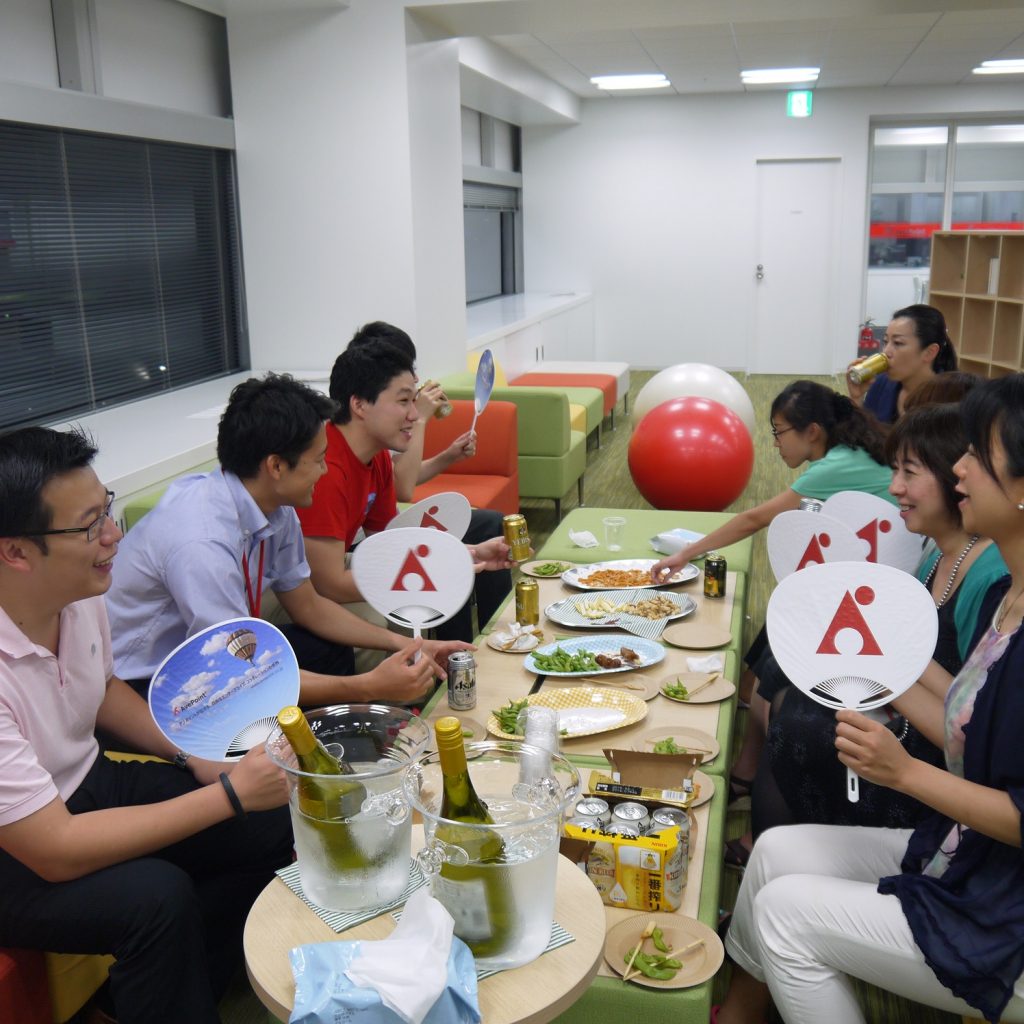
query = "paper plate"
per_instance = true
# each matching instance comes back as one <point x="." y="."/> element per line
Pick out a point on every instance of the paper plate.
<point x="574" y="577"/>
<point x="650" y="654"/>
<point x="646" y="687"/>
<point x="720" y="689"/>
<point x="218" y="694"/>
<point x="678" y="931"/>
<point x="693" y="738"/>
<point x="696" y="636"/>
<point x="584" y="710"/>
<point x="706" y="788"/>
<point x="530" y="568"/>
<point x="573" y="611"/>
<point x="521" y="644"/>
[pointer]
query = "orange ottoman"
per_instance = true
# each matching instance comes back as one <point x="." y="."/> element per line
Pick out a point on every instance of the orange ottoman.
<point x="605" y="383"/>
<point x="24" y="995"/>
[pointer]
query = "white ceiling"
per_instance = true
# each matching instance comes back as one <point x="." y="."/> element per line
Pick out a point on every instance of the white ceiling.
<point x="701" y="45"/>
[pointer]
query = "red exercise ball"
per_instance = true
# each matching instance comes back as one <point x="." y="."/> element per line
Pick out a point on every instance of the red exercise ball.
<point x="691" y="453"/>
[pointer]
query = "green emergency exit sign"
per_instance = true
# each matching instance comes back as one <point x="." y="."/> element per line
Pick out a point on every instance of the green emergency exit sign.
<point x="799" y="103"/>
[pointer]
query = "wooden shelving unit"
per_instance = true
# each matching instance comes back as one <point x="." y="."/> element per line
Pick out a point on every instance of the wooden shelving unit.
<point x="982" y="300"/>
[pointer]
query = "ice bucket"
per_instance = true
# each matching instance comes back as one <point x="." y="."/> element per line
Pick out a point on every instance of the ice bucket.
<point x="361" y="859"/>
<point x="503" y="906"/>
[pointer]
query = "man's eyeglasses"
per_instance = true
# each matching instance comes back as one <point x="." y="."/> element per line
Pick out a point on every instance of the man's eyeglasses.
<point x="778" y="433"/>
<point x="92" y="531"/>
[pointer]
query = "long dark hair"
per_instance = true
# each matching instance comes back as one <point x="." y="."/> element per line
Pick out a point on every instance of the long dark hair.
<point x="997" y="405"/>
<point x="930" y="328"/>
<point x="934" y="435"/>
<point x="805" y="402"/>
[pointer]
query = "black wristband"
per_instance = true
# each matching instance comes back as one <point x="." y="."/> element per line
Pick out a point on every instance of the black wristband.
<point x="232" y="795"/>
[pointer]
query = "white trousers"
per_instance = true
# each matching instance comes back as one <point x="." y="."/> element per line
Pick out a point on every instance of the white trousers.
<point x="808" y="915"/>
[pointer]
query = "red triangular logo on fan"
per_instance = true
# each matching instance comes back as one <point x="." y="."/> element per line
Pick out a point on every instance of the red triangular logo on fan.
<point x="412" y="566"/>
<point x="848" y="616"/>
<point x="869" y="532"/>
<point x="814" y="555"/>
<point x="429" y="522"/>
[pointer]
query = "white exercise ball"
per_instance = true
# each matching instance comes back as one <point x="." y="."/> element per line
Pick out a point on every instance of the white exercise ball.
<point x="699" y="380"/>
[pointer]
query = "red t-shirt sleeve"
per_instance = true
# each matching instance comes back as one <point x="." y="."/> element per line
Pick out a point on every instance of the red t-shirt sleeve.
<point x="331" y="514"/>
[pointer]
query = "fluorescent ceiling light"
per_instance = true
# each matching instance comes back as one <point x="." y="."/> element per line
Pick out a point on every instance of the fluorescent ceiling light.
<point x="1001" y="67"/>
<point x="646" y="81"/>
<point x="779" y="76"/>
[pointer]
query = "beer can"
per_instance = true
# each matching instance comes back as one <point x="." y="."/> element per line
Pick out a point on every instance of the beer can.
<point x="517" y="537"/>
<point x="527" y="602"/>
<point x="595" y="809"/>
<point x="668" y="817"/>
<point x="631" y="813"/>
<point x="623" y="829"/>
<point x="462" y="681"/>
<point x="868" y="369"/>
<point x="444" y="409"/>
<point x="811" y="505"/>
<point x="714" y="575"/>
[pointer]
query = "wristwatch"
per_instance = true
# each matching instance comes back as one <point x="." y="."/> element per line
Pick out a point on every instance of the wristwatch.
<point x="181" y="760"/>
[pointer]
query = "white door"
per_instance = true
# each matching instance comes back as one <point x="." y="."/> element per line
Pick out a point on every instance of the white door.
<point x="795" y="266"/>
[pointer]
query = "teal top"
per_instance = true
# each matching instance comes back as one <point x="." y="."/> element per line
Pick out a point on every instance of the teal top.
<point x="984" y="571"/>
<point x="844" y="469"/>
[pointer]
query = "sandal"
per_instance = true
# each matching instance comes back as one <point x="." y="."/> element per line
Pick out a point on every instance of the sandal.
<point x="736" y="854"/>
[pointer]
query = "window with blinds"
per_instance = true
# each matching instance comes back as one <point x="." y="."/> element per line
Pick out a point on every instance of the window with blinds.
<point x="120" y="270"/>
<point x="491" y="232"/>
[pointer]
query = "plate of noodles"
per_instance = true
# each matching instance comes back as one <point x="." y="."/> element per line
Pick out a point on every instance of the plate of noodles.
<point x="624" y="574"/>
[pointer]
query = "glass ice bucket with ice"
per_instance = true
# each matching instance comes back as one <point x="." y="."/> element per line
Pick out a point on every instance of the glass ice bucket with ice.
<point x="497" y="881"/>
<point x="359" y="856"/>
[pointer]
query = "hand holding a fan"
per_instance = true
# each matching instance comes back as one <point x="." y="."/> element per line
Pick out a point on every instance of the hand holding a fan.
<point x="871" y="750"/>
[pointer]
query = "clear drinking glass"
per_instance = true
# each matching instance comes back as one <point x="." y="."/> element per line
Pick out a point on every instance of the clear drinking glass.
<point x="613" y="527"/>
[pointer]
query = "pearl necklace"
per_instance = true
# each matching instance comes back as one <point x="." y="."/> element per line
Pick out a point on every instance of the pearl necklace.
<point x="952" y="575"/>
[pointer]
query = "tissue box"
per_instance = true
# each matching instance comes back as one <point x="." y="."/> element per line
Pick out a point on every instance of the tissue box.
<point x="648" y="873"/>
<point x="671" y="541"/>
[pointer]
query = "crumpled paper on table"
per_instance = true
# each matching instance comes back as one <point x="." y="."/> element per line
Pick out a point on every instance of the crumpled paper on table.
<point x="709" y="663"/>
<point x="583" y="538"/>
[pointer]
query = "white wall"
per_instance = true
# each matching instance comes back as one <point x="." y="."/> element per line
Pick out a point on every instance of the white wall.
<point x="27" y="52"/>
<point x="649" y="203"/>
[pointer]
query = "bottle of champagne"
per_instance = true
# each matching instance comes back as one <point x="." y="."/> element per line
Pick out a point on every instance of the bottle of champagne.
<point x="325" y="805"/>
<point x="475" y="894"/>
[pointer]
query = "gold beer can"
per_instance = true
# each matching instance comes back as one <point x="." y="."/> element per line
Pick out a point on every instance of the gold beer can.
<point x="868" y="369"/>
<point x="444" y="409"/>
<point x="527" y="602"/>
<point x="714" y="575"/>
<point x="517" y="537"/>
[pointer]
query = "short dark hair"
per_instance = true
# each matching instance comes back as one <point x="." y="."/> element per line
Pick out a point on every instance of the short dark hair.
<point x="273" y="415"/>
<point x="997" y="405"/>
<point x="935" y="435"/>
<point x="381" y="331"/>
<point x="804" y="402"/>
<point x="29" y="459"/>
<point x="944" y="387"/>
<point x="930" y="328"/>
<point x="364" y="371"/>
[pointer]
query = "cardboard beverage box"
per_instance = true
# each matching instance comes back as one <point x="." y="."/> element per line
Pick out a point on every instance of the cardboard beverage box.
<point x="648" y="873"/>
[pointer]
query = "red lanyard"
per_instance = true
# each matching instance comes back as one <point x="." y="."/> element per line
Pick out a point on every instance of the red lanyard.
<point x="254" y="602"/>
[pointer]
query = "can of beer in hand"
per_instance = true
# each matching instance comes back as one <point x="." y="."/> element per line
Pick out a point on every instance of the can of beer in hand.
<point x="811" y="505"/>
<point x="462" y="681"/>
<point x="444" y="409"/>
<point x="527" y="602"/>
<point x="714" y="575"/>
<point x="517" y="537"/>
<point x="868" y="369"/>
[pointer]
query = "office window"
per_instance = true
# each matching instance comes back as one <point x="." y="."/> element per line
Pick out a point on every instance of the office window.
<point x="988" y="186"/>
<point x="120" y="271"/>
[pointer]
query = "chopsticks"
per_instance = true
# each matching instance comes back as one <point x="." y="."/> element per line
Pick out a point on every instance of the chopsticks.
<point x="619" y="684"/>
<point x="703" y="686"/>
<point x="632" y="973"/>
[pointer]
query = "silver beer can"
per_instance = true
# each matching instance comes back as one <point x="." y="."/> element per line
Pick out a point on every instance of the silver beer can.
<point x="667" y="817"/>
<point x="811" y="505"/>
<point x="631" y="813"/>
<point x="622" y="829"/>
<point x="462" y="681"/>
<point x="594" y="808"/>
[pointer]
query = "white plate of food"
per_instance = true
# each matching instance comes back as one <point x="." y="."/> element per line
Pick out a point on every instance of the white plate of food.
<point x="546" y="569"/>
<point x="593" y="655"/>
<point x="510" y="642"/>
<point x="622" y="608"/>
<point x="624" y="574"/>
<point x="583" y="711"/>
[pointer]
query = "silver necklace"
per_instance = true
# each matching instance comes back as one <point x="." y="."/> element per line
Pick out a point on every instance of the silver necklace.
<point x="953" y="574"/>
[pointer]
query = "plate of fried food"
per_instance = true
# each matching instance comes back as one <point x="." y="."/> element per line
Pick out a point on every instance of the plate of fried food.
<point x="593" y="655"/>
<point x="624" y="574"/>
<point x="644" y="612"/>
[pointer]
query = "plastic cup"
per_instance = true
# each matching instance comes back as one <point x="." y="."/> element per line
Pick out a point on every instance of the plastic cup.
<point x="613" y="527"/>
<point x="361" y="860"/>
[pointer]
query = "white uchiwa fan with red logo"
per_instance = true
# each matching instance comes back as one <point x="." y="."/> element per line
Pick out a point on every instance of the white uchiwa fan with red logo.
<point x="447" y="511"/>
<point x="879" y="527"/>
<point x="852" y="635"/>
<point x="799" y="538"/>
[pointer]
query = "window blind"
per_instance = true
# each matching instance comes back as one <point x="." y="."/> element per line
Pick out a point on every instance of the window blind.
<point x="120" y="270"/>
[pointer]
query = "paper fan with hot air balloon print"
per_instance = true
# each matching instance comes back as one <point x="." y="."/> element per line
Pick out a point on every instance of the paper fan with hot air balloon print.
<point x="218" y="694"/>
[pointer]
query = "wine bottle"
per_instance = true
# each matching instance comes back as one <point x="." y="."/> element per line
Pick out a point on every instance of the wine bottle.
<point x="475" y="894"/>
<point x="325" y="805"/>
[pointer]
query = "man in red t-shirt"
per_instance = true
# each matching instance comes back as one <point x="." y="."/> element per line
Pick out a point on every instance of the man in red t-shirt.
<point x="375" y="386"/>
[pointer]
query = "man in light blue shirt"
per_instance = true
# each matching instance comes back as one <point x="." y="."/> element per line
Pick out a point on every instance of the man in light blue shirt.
<point x="217" y="540"/>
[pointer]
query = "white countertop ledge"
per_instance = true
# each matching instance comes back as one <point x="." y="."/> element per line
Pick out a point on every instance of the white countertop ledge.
<point x="496" y="318"/>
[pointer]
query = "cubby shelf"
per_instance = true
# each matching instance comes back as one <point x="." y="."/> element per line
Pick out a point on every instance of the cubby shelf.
<point x="977" y="281"/>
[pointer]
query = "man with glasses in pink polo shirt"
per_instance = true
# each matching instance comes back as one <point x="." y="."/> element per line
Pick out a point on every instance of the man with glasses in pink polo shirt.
<point x="155" y="863"/>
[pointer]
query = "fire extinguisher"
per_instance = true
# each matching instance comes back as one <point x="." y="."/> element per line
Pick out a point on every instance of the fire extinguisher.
<point x="866" y="340"/>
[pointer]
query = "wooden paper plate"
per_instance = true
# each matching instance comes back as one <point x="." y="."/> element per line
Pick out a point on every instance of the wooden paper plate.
<point x="644" y="687"/>
<point x="720" y="689"/>
<point x="678" y="931"/>
<point x="705" y="791"/>
<point x="684" y="737"/>
<point x="530" y="568"/>
<point x="696" y="636"/>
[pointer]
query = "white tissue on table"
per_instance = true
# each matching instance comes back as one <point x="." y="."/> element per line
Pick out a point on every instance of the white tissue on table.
<point x="420" y="944"/>
<point x="583" y="538"/>
<point x="710" y="663"/>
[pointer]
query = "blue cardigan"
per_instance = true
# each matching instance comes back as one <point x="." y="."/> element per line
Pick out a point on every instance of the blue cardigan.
<point x="969" y="923"/>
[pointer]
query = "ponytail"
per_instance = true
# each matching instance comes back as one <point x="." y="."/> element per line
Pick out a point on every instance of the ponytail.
<point x="930" y="328"/>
